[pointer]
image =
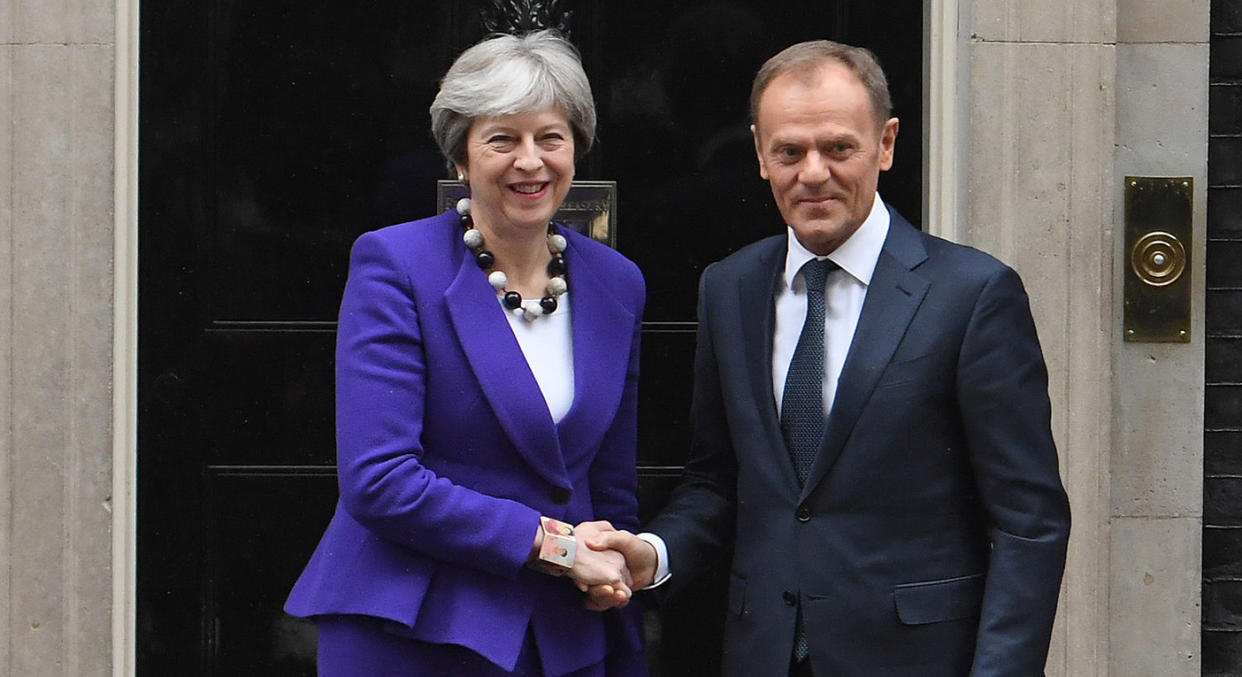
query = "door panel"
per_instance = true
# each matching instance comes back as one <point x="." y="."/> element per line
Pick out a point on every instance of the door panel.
<point x="273" y="134"/>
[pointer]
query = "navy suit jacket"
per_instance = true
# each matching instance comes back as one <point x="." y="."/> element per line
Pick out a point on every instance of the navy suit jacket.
<point x="447" y="455"/>
<point x="930" y="536"/>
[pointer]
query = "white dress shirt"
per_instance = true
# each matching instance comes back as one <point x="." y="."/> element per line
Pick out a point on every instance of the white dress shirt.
<point x="844" y="293"/>
<point x="548" y="344"/>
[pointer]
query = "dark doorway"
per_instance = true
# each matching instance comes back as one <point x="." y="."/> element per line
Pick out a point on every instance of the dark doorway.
<point x="273" y="134"/>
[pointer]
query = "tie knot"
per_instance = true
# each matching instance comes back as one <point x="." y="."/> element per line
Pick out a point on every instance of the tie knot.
<point x="815" y="274"/>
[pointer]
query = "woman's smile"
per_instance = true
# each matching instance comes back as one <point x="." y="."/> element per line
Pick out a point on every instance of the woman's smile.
<point x="520" y="168"/>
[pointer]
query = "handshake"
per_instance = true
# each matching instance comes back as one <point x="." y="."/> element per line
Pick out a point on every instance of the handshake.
<point x="610" y="565"/>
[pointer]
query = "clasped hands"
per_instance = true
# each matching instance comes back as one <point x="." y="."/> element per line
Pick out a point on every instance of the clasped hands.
<point x="610" y="565"/>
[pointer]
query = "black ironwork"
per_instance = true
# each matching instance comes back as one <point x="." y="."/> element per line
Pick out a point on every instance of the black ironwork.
<point x="523" y="16"/>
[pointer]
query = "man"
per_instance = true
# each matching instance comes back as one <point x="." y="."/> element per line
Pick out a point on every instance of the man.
<point x="876" y="448"/>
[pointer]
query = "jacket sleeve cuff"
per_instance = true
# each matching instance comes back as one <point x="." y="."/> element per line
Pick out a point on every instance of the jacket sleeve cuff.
<point x="662" y="572"/>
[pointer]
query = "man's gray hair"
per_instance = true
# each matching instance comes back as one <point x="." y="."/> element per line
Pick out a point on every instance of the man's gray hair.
<point x="805" y="59"/>
<point x="506" y="75"/>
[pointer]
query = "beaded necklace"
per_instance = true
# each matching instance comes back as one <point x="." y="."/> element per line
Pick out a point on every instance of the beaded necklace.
<point x="557" y="269"/>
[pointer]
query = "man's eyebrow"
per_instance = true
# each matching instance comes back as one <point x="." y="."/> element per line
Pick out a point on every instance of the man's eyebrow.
<point x="778" y="140"/>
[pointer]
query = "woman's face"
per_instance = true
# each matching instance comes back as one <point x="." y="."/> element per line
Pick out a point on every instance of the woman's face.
<point x="519" y="168"/>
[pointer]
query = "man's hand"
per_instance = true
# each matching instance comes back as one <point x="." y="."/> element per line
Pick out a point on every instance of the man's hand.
<point x="601" y="574"/>
<point x="640" y="556"/>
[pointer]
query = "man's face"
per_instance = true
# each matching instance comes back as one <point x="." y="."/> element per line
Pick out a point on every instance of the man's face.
<point x="822" y="150"/>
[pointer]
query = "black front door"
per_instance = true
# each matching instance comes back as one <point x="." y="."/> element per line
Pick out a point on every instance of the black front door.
<point x="273" y="134"/>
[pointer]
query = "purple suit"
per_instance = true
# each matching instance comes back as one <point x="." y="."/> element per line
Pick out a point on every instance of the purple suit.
<point x="447" y="455"/>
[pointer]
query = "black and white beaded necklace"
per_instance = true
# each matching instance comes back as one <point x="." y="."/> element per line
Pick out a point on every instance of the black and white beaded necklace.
<point x="557" y="269"/>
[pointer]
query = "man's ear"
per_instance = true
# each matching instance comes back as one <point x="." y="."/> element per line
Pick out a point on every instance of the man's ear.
<point x="888" y="141"/>
<point x="763" y="168"/>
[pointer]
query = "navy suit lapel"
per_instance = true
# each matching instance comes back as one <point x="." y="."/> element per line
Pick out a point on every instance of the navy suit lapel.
<point x="893" y="297"/>
<point x="757" y="289"/>
<point x="602" y="334"/>
<point x="500" y="368"/>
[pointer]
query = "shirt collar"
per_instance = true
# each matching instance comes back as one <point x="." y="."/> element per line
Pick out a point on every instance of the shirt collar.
<point x="857" y="256"/>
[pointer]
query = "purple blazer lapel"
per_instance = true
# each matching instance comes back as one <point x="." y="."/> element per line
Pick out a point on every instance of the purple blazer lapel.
<point x="502" y="373"/>
<point x="602" y="334"/>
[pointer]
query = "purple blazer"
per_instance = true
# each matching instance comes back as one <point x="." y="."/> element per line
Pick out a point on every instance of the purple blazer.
<point x="447" y="455"/>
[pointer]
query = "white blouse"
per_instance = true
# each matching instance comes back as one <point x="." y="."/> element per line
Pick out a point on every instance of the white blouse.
<point x="548" y="344"/>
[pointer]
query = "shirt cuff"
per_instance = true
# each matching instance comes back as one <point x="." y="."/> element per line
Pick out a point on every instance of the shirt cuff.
<point x="662" y="573"/>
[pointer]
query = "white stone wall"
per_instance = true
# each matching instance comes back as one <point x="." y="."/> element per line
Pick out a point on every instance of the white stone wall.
<point x="56" y="245"/>
<point x="1038" y="175"/>
<point x="1157" y="457"/>
<point x="1064" y="98"/>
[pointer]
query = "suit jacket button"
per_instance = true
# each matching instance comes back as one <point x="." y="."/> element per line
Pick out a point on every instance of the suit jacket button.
<point x="790" y="598"/>
<point x="803" y="515"/>
<point x="560" y="496"/>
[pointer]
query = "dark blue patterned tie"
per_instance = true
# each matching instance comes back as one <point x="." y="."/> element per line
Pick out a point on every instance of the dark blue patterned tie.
<point x="802" y="404"/>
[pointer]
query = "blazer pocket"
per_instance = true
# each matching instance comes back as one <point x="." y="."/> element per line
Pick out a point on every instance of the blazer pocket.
<point x="737" y="594"/>
<point x="911" y="369"/>
<point x="937" y="601"/>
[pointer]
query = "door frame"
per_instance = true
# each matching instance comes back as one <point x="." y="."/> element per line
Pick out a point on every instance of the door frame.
<point x="941" y="210"/>
<point x="942" y="106"/>
<point x="125" y="342"/>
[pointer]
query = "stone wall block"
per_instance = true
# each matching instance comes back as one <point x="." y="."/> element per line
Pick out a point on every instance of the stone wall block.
<point x="1083" y="417"/>
<point x="59" y="22"/>
<point x="6" y="343"/>
<point x="1155" y="596"/>
<point x="7" y="34"/>
<point x="1053" y="21"/>
<point x="1226" y="57"/>
<point x="88" y="489"/>
<point x="1162" y="96"/>
<point x="61" y="300"/>
<point x="1225" y="159"/>
<point x="40" y="353"/>
<point x="1226" y="17"/>
<point x="1161" y="431"/>
<point x="1161" y="131"/>
<point x="1040" y="119"/>
<point x="1021" y="122"/>
<point x="1222" y="551"/>
<point x="1222" y="652"/>
<point x="1162" y="20"/>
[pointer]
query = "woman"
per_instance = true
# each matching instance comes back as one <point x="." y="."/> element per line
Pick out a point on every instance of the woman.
<point x="487" y="367"/>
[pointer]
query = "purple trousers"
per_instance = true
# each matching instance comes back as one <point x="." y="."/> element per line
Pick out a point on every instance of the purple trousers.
<point x="351" y="646"/>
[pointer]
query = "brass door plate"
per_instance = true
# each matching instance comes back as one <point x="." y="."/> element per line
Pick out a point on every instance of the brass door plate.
<point x="1157" y="258"/>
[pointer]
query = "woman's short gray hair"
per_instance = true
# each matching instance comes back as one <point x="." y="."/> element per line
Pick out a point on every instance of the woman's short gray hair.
<point x="506" y="75"/>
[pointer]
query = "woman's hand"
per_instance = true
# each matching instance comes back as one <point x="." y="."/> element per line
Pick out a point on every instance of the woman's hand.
<point x="602" y="575"/>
